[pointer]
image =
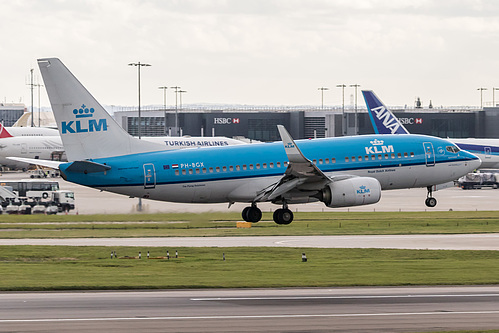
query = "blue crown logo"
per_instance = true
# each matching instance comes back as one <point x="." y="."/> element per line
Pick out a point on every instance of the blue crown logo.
<point x="84" y="112"/>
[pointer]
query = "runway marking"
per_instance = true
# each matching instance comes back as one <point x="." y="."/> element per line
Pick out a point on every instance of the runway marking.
<point x="393" y="314"/>
<point x="274" y="298"/>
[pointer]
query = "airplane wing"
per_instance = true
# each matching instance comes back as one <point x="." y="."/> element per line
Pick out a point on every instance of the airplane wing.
<point x="45" y="163"/>
<point x="301" y="173"/>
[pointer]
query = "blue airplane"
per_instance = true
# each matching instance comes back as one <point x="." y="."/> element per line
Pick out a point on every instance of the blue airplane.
<point x="385" y="122"/>
<point x="340" y="172"/>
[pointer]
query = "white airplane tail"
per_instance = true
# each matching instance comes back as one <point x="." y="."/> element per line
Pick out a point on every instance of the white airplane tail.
<point x="86" y="129"/>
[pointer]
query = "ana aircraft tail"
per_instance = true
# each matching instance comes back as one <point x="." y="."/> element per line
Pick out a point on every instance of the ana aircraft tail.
<point x="4" y="133"/>
<point x="86" y="129"/>
<point x="382" y="119"/>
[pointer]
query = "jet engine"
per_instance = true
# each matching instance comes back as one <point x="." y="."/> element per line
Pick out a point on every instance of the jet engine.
<point x="351" y="192"/>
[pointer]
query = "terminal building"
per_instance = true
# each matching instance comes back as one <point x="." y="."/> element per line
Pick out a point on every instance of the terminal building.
<point x="11" y="112"/>
<point x="260" y="123"/>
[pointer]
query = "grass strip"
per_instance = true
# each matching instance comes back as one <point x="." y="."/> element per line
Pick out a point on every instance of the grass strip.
<point x="91" y="268"/>
<point x="224" y="224"/>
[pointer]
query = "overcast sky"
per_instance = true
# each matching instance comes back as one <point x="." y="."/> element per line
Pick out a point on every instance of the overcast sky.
<point x="259" y="52"/>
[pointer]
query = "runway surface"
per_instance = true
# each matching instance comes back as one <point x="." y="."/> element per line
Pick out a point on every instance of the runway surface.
<point x="282" y="310"/>
<point x="431" y="242"/>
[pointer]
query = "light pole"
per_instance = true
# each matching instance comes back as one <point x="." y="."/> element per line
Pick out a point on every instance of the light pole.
<point x="177" y="88"/>
<point x="32" y="86"/>
<point x="343" y="119"/>
<point x="180" y="92"/>
<point x="494" y="97"/>
<point x="164" y="103"/>
<point x="481" y="96"/>
<point x="138" y="65"/>
<point x="39" y="107"/>
<point x="322" y="95"/>
<point x="356" y="123"/>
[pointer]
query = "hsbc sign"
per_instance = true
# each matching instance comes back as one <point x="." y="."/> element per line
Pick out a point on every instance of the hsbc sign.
<point x="410" y="121"/>
<point x="225" y="121"/>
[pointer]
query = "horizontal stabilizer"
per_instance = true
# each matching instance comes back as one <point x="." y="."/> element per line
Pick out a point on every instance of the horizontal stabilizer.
<point x="87" y="167"/>
<point x="45" y="163"/>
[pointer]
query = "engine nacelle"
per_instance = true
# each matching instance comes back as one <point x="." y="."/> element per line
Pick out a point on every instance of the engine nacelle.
<point x="351" y="192"/>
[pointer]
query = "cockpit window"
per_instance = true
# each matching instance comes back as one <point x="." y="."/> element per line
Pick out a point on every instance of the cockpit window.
<point x="452" y="149"/>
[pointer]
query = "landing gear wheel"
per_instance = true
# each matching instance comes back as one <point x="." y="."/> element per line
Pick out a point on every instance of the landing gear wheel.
<point x="431" y="202"/>
<point x="283" y="216"/>
<point x="252" y="214"/>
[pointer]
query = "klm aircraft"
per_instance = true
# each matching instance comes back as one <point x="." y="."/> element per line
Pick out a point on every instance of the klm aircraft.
<point x="385" y="122"/>
<point x="340" y="172"/>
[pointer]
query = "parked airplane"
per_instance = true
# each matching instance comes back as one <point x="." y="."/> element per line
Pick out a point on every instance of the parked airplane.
<point x="6" y="132"/>
<point x="340" y="172"/>
<point x="385" y="122"/>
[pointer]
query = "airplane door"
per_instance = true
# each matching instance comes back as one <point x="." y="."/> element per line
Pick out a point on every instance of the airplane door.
<point x="149" y="176"/>
<point x="429" y="154"/>
<point x="488" y="152"/>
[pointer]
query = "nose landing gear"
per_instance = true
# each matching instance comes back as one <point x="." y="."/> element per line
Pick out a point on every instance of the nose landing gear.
<point x="430" y="200"/>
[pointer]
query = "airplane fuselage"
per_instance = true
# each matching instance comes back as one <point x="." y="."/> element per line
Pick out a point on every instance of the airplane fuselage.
<point x="238" y="173"/>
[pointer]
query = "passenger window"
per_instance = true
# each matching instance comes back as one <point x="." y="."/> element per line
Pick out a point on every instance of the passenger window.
<point x="197" y="171"/>
<point x="224" y="168"/>
<point x="238" y="168"/>
<point x="264" y="165"/>
<point x="346" y="159"/>
<point x="244" y="167"/>
<point x="314" y="161"/>
<point x="231" y="168"/>
<point x="327" y="160"/>
<point x="379" y="157"/>
<point x="399" y="155"/>
<point x="366" y="158"/>
<point x="333" y="160"/>
<point x="218" y="169"/>
<point x="386" y="156"/>
<point x="211" y="169"/>
<point x="412" y="154"/>
<point x="353" y="158"/>
<point x="286" y="164"/>
<point x="278" y="164"/>
<point x="177" y="173"/>
<point x="190" y="172"/>
<point x="184" y="172"/>
<point x="405" y="155"/>
<point x="359" y="158"/>
<point x="393" y="155"/>
<point x="373" y="157"/>
<point x="258" y="165"/>
<point x="271" y="165"/>
<point x="251" y="166"/>
<point x="320" y="161"/>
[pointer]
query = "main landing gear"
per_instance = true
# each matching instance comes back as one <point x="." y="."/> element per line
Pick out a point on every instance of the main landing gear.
<point x="254" y="214"/>
<point x="430" y="200"/>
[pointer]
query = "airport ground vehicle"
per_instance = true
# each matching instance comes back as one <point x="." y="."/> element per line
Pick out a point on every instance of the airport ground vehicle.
<point x="32" y="196"/>
<point x="475" y="180"/>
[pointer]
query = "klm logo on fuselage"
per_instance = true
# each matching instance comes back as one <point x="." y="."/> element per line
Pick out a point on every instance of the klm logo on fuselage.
<point x="83" y="124"/>
<point x="378" y="147"/>
<point x="389" y="120"/>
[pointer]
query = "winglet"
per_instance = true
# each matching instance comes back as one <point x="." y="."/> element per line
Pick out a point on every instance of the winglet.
<point x="382" y="119"/>
<point x="4" y="133"/>
<point x="292" y="150"/>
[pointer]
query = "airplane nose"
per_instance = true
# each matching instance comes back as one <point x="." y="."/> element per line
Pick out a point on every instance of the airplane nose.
<point x="474" y="163"/>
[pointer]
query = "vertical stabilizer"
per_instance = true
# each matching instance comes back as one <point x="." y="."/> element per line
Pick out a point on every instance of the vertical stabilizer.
<point x="382" y="119"/>
<point x="4" y="133"/>
<point x="86" y="129"/>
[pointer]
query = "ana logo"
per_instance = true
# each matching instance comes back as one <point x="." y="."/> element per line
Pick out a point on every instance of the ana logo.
<point x="84" y="125"/>
<point x="388" y="120"/>
<point x="363" y="190"/>
<point x="379" y="148"/>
